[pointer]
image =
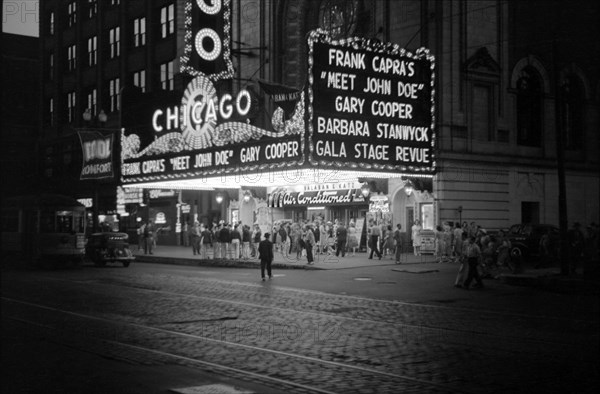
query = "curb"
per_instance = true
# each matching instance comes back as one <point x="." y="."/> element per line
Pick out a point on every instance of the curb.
<point x="219" y="263"/>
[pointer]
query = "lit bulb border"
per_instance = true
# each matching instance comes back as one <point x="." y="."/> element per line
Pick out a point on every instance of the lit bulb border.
<point x="358" y="43"/>
<point x="190" y="43"/>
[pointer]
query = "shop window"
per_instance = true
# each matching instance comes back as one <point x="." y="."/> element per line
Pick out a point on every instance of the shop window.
<point x="572" y="104"/>
<point x="529" y="108"/>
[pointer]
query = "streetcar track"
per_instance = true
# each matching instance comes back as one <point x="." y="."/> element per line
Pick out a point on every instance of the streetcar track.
<point x="492" y="334"/>
<point x="226" y="343"/>
<point x="346" y="296"/>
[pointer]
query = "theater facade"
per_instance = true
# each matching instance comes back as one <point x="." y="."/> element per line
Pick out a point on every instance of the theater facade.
<point x="358" y="110"/>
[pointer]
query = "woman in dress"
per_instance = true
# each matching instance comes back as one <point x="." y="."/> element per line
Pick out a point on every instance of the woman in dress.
<point x="416" y="237"/>
<point x="352" y="242"/>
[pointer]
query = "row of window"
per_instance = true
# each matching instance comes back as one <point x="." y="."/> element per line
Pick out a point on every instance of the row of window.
<point x="167" y="82"/>
<point x="167" y="20"/>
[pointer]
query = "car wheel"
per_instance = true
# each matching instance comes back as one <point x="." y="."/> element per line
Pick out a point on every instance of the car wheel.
<point x="126" y="264"/>
<point x="516" y="257"/>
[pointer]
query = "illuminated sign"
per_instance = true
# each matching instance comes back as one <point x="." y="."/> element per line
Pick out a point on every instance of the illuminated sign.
<point x="130" y="195"/>
<point x="370" y="105"/>
<point x="86" y="202"/>
<point x="282" y="198"/>
<point x="207" y="36"/>
<point x="97" y="155"/>
<point x="207" y="135"/>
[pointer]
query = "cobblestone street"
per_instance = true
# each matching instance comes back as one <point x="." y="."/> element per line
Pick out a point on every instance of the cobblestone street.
<point x="299" y="340"/>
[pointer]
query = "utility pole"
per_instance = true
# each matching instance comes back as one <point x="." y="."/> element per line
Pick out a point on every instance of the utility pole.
<point x="560" y="165"/>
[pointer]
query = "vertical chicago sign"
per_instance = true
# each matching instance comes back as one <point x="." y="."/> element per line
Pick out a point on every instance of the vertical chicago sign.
<point x="370" y="105"/>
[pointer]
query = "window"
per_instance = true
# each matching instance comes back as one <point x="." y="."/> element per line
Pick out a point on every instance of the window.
<point x="71" y="57"/>
<point x="114" y="42"/>
<point x="51" y="23"/>
<point x="481" y="114"/>
<point x="572" y="105"/>
<point x="51" y="66"/>
<point x="92" y="51"/>
<point x="139" y="32"/>
<point x="71" y="106"/>
<point x="72" y="13"/>
<point x="115" y="2"/>
<point x="51" y="111"/>
<point x="139" y="79"/>
<point x="92" y="104"/>
<point x="529" y="108"/>
<point x="113" y="91"/>
<point x="92" y="8"/>
<point x="166" y="76"/>
<point x="167" y="20"/>
<point x="338" y="17"/>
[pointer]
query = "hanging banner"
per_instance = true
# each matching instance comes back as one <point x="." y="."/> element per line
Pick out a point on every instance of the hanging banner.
<point x="286" y="97"/>
<point x="370" y="105"/>
<point x="97" y="154"/>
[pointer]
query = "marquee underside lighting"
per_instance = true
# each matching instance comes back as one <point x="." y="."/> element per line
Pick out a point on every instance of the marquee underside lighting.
<point x="274" y="178"/>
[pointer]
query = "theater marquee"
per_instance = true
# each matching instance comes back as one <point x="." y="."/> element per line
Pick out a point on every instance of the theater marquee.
<point x="209" y="131"/>
<point x="370" y="105"/>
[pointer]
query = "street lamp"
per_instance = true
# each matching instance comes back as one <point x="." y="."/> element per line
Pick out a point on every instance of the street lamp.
<point x="87" y="115"/>
<point x="219" y="197"/>
<point x="409" y="187"/>
<point x="102" y="117"/>
<point x="365" y="190"/>
<point x="247" y="195"/>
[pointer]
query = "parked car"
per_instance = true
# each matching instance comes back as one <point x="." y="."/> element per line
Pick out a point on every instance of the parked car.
<point x="109" y="247"/>
<point x="525" y="239"/>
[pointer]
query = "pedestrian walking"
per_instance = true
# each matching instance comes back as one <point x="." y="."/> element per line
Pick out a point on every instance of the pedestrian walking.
<point x="149" y="237"/>
<point x="185" y="234"/>
<point x="217" y="241"/>
<point x="256" y="237"/>
<point x="196" y="235"/>
<point x="206" y="242"/>
<point x="297" y="243"/>
<point x="352" y="242"/>
<point x="576" y="247"/>
<point x="265" y="252"/>
<point x="246" y="239"/>
<point x="283" y="240"/>
<point x="225" y="238"/>
<point x="341" y="235"/>
<point x="457" y="241"/>
<point x="140" y="233"/>
<point x="236" y="242"/>
<point x="463" y="270"/>
<point x="398" y="243"/>
<point x="309" y="243"/>
<point x="389" y="245"/>
<point x="375" y="234"/>
<point x="473" y="256"/>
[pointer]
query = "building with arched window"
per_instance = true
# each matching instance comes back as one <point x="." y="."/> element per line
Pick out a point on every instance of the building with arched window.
<point x="509" y="80"/>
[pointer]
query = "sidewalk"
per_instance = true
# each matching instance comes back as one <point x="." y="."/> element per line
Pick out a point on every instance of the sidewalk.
<point x="181" y="255"/>
<point x="548" y="278"/>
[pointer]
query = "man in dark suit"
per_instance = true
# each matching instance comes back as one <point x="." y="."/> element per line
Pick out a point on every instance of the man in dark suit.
<point x="265" y="250"/>
<point x="341" y="236"/>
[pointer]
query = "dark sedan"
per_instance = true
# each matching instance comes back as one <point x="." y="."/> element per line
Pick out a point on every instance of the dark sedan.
<point x="525" y="238"/>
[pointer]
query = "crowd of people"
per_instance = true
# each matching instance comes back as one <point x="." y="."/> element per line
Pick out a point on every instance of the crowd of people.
<point x="478" y="252"/>
<point x="294" y="241"/>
